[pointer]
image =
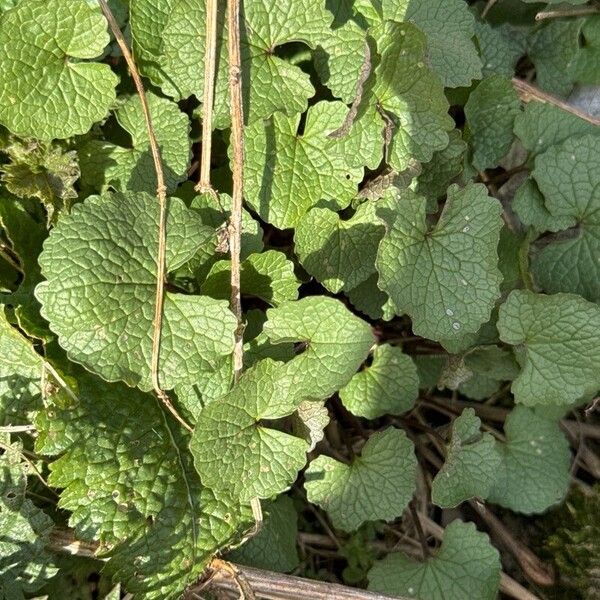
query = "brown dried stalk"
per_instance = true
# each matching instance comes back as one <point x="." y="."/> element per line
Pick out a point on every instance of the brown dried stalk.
<point x="208" y="97"/>
<point x="161" y="195"/>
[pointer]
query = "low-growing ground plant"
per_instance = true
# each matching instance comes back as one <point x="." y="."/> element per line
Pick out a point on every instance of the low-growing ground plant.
<point x="304" y="287"/>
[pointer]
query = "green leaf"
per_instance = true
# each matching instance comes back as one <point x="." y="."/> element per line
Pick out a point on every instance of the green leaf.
<point x="404" y="89"/>
<point x="129" y="483"/>
<point x="471" y="464"/>
<point x="587" y="61"/>
<point x="378" y="484"/>
<point x="490" y="112"/>
<point x="450" y="27"/>
<point x="268" y="276"/>
<point x="531" y="209"/>
<point x="543" y="125"/>
<point x="388" y="386"/>
<point x="233" y="452"/>
<point x="100" y="263"/>
<point x="340" y="253"/>
<point x="446" y="278"/>
<point x="44" y="171"/>
<point x="465" y="566"/>
<point x="341" y="53"/>
<point x="274" y="546"/>
<point x="104" y="164"/>
<point x="553" y="49"/>
<point x="558" y="346"/>
<point x="288" y="173"/>
<point x="500" y="48"/>
<point x="24" y="236"/>
<point x="169" y="43"/>
<point x="47" y="88"/>
<point x="568" y="176"/>
<point x="336" y="344"/>
<point x="488" y="367"/>
<point x="437" y="174"/>
<point x="25" y="562"/>
<point x="20" y="375"/>
<point x="370" y="300"/>
<point x="535" y="470"/>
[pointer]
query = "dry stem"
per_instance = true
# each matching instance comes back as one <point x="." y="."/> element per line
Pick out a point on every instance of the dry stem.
<point x="237" y="144"/>
<point x="580" y="11"/>
<point x="528" y="92"/>
<point x="208" y="97"/>
<point x="161" y="194"/>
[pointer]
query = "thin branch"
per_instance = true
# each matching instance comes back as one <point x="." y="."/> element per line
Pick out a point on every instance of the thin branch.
<point x="18" y="429"/>
<point x="419" y="528"/>
<point x="237" y="144"/>
<point x="580" y="11"/>
<point x="277" y="586"/>
<point x="488" y="7"/>
<point x="161" y="194"/>
<point x="208" y="97"/>
<point x="534" y="569"/>
<point x="265" y="584"/>
<point x="528" y="92"/>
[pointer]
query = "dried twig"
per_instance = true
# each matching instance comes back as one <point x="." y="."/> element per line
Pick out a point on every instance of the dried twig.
<point x="528" y="92"/>
<point x="208" y="97"/>
<point x="264" y="584"/>
<point x="237" y="144"/>
<point x="277" y="586"/>
<point x="575" y="11"/>
<point x="487" y="8"/>
<point x="237" y="198"/>
<point x="161" y="194"/>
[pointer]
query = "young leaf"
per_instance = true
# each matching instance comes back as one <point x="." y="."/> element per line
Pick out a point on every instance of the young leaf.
<point x="336" y="343"/>
<point x="46" y="90"/>
<point x="466" y="566"/>
<point x="534" y="472"/>
<point x="471" y="464"/>
<point x="447" y="279"/>
<point x="558" y="346"/>
<point x="20" y="374"/>
<point x="233" y="452"/>
<point x="339" y="253"/>
<point x="388" y="386"/>
<point x="309" y="421"/>
<point x="568" y="176"/>
<point x="276" y="154"/>
<point x="490" y="112"/>
<point x="169" y="38"/>
<point x="531" y="209"/>
<point x="41" y="171"/>
<point x="24" y="235"/>
<point x="274" y="546"/>
<point x="25" y="562"/>
<point x="100" y="263"/>
<point x="378" y="484"/>
<point x="268" y="276"/>
<point x="104" y="164"/>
